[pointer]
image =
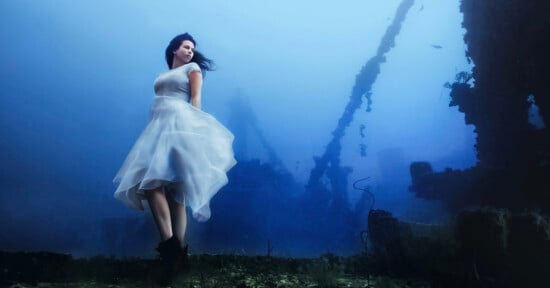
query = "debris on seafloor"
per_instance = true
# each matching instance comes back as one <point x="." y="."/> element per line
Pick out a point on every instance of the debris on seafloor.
<point x="60" y="270"/>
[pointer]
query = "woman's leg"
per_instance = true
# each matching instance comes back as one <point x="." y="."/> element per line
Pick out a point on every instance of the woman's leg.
<point x="171" y="225"/>
<point x="161" y="212"/>
<point x="179" y="219"/>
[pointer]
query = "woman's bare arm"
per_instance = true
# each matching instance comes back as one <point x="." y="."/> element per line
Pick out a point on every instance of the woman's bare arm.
<point x="195" y="83"/>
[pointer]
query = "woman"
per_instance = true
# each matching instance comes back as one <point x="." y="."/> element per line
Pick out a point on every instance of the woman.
<point x="182" y="156"/>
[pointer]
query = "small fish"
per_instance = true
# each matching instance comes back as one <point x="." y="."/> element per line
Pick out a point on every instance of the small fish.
<point x="436" y="46"/>
<point x="421" y="8"/>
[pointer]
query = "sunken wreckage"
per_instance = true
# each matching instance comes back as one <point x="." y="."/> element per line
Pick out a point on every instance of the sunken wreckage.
<point x="500" y="236"/>
<point x="502" y="204"/>
<point x="501" y="228"/>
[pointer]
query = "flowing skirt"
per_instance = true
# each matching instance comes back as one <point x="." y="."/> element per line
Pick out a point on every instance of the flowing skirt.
<point x="183" y="150"/>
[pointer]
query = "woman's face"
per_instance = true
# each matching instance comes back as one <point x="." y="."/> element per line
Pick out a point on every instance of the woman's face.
<point x="185" y="52"/>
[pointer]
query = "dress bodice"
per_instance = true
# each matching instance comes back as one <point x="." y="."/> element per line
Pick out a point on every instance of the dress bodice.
<point x="183" y="150"/>
<point x="175" y="82"/>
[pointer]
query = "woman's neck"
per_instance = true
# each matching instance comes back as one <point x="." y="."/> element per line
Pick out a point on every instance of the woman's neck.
<point x="177" y="63"/>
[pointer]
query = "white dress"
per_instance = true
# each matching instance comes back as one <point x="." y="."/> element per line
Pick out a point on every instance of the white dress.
<point x="182" y="149"/>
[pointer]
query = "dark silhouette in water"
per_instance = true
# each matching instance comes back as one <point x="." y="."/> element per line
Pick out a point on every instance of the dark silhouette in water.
<point x="511" y="72"/>
<point x="362" y="88"/>
<point x="306" y="216"/>
<point x="507" y="239"/>
<point x="244" y="125"/>
<point x="331" y="202"/>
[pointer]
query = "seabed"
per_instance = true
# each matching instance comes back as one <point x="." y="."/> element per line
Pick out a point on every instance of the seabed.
<point x="44" y="269"/>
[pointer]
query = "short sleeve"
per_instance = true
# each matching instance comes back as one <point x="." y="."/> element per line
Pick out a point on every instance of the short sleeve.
<point x="192" y="67"/>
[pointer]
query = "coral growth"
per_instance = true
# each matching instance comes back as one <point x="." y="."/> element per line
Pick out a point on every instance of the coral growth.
<point x="508" y="41"/>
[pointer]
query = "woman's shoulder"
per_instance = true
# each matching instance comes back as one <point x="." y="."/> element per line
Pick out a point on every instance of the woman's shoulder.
<point x="191" y="66"/>
<point x="187" y="68"/>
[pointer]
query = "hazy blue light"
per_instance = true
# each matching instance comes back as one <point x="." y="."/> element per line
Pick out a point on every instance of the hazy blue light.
<point x="77" y="84"/>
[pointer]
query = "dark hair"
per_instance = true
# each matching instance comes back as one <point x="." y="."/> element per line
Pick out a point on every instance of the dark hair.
<point x="201" y="60"/>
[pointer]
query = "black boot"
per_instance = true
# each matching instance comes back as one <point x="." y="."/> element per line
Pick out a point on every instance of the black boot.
<point x="169" y="252"/>
<point x="183" y="260"/>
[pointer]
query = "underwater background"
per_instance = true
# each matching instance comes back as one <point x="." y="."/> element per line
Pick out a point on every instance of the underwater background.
<point x="77" y="84"/>
<point x="358" y="125"/>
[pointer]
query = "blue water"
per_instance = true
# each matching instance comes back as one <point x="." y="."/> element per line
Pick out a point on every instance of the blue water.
<point x="77" y="83"/>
